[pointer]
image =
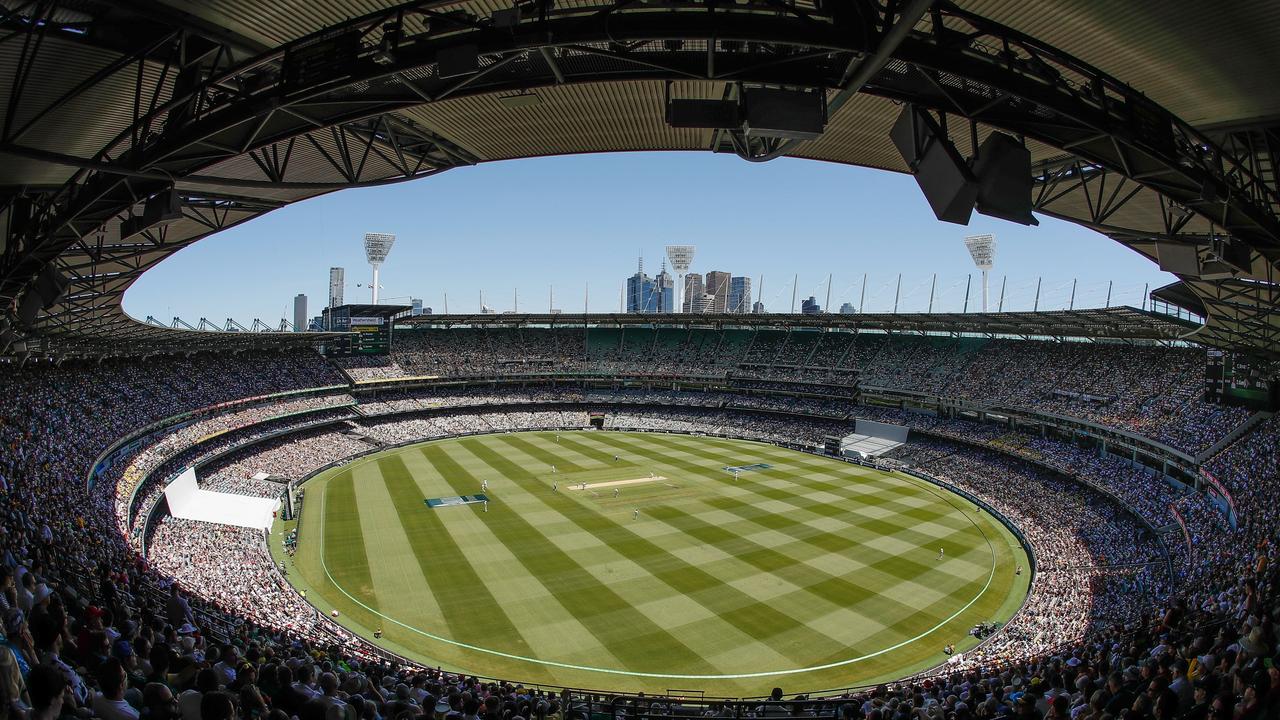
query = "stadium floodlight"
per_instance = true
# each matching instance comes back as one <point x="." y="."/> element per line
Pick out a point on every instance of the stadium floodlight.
<point x="681" y="258"/>
<point x="982" y="248"/>
<point x="376" y="248"/>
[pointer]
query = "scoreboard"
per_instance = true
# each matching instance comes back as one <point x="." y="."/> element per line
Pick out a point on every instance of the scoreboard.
<point x="371" y="327"/>
<point x="1237" y="379"/>
<point x="373" y="336"/>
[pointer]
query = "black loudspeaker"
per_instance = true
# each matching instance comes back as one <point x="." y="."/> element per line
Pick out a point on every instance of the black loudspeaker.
<point x="793" y="114"/>
<point x="29" y="307"/>
<point x="943" y="176"/>
<point x="702" y="114"/>
<point x="20" y="213"/>
<point x="51" y="286"/>
<point x="1003" y="169"/>
<point x="1178" y="258"/>
<point x="163" y="208"/>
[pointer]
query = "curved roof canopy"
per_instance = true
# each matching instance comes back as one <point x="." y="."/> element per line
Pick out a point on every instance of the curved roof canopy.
<point x="133" y="128"/>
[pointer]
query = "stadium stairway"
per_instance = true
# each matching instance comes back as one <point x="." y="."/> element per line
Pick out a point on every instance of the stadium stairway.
<point x="1244" y="427"/>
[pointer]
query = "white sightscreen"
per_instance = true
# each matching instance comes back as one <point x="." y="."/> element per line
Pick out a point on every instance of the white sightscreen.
<point x="892" y="433"/>
<point x="189" y="502"/>
<point x="873" y="438"/>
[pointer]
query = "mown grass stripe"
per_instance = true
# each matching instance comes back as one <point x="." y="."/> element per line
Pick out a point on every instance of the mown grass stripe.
<point x="561" y="464"/>
<point x="755" y="619"/>
<point x="894" y="565"/>
<point x="394" y="568"/>
<point x="879" y="526"/>
<point x="902" y="619"/>
<point x="550" y="629"/>
<point x="696" y="492"/>
<point x="618" y="625"/>
<point x="468" y="607"/>
<point x="569" y="450"/>
<point x="892" y="502"/>
<point x="344" y="548"/>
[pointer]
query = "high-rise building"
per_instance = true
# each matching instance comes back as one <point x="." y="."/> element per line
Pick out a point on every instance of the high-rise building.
<point x="692" y="289"/>
<point x="739" y="295"/>
<point x="665" y="288"/>
<point x="702" y="303"/>
<point x="718" y="285"/>
<point x="337" y="279"/>
<point x="757" y="308"/>
<point x="810" y="306"/>
<point x="847" y="308"/>
<point x="299" y="312"/>
<point x="415" y="306"/>
<point x="642" y="296"/>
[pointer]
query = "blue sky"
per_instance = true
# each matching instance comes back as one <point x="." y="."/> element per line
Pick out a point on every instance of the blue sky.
<point x="570" y="222"/>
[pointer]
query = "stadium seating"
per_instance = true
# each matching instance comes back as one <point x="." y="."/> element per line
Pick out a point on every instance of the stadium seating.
<point x="1110" y="629"/>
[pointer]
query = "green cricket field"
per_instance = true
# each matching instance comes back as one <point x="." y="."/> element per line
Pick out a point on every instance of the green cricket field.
<point x="644" y="562"/>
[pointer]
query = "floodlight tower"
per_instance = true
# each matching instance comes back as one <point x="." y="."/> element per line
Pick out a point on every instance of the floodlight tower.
<point x="376" y="248"/>
<point x="982" y="248"/>
<point x="680" y="257"/>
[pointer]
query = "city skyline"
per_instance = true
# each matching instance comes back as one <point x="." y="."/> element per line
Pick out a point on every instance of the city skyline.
<point x="450" y="243"/>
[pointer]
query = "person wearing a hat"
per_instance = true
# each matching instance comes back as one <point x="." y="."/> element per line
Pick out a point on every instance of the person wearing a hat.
<point x="189" y="701"/>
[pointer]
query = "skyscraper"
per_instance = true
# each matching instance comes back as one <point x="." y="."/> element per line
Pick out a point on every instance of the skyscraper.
<point x="718" y="285"/>
<point x="811" y="306"/>
<point x="642" y="295"/>
<point x="757" y="308"/>
<point x="847" y="309"/>
<point x="665" y="288"/>
<point x="702" y="303"/>
<point x="739" y="295"/>
<point x="299" y="312"/>
<point x="337" y="279"/>
<point x="692" y="289"/>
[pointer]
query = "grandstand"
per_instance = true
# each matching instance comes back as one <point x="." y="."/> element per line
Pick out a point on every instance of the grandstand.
<point x="1137" y="512"/>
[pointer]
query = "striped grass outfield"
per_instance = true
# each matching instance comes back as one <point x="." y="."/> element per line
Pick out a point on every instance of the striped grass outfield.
<point x="810" y="574"/>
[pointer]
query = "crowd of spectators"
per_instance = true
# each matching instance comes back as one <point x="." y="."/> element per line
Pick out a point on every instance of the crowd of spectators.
<point x="93" y="630"/>
<point x="283" y="460"/>
<point x="1078" y="536"/>
<point x="131" y="508"/>
<point x="230" y="568"/>
<point x="385" y="402"/>
<point x="1148" y="390"/>
<point x="162" y="446"/>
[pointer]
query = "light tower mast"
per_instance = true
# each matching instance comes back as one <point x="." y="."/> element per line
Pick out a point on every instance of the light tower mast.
<point x="376" y="248"/>
<point x="680" y="257"/>
<point x="982" y="248"/>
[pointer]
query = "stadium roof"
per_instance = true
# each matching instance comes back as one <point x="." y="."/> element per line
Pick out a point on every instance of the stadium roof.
<point x="134" y="128"/>
<point x="1120" y="323"/>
